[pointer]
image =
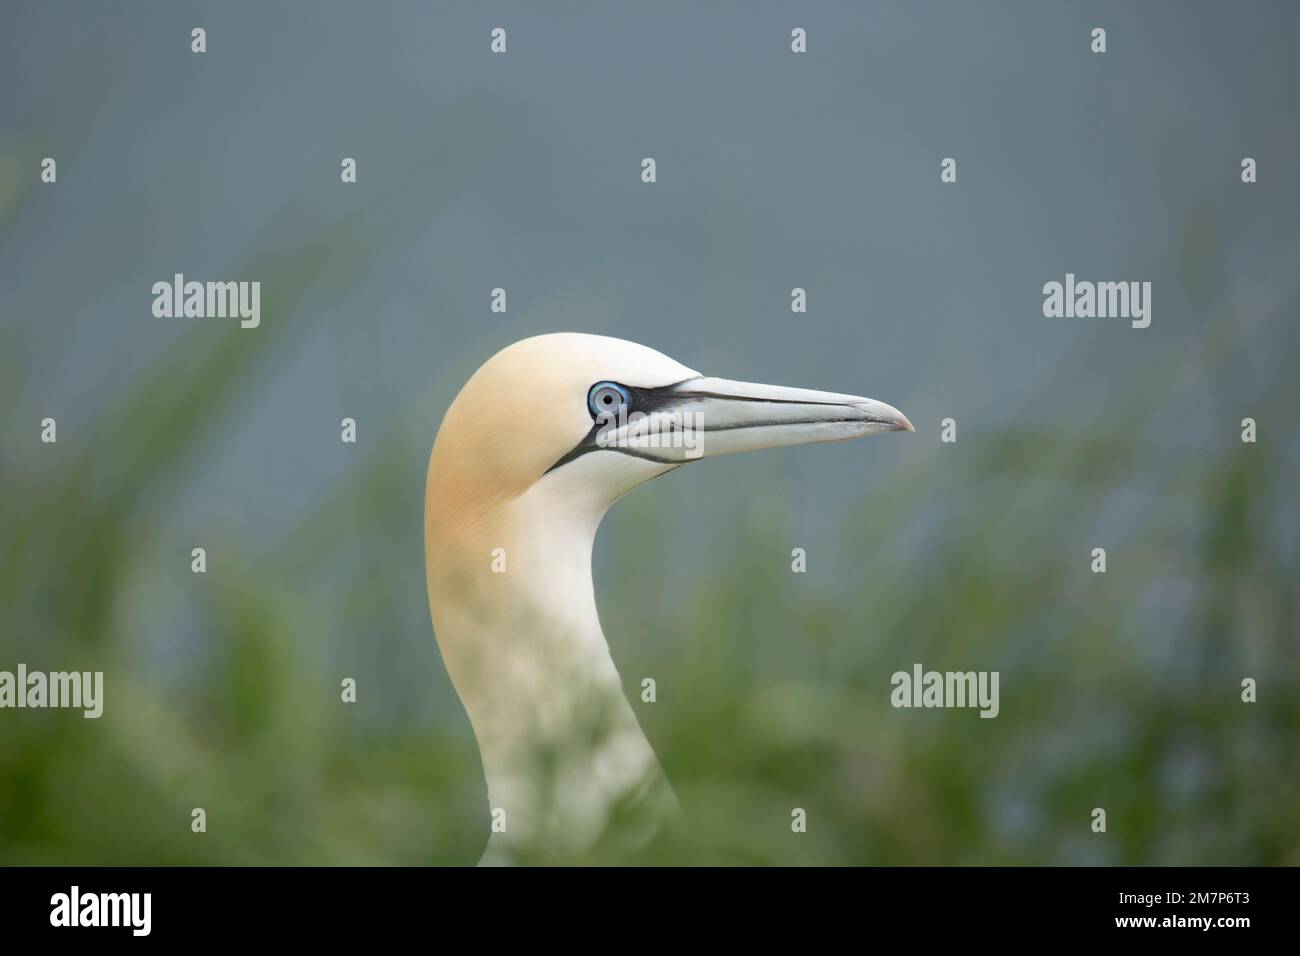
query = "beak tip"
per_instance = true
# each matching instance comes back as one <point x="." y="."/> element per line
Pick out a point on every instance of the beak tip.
<point x="884" y="418"/>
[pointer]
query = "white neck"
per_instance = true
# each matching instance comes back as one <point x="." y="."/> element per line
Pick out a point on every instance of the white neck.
<point x="560" y="744"/>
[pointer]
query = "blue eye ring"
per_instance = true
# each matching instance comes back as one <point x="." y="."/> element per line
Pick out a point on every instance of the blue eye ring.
<point x="606" y="399"/>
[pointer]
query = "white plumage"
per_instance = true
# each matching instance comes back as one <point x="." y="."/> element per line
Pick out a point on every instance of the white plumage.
<point x="541" y="440"/>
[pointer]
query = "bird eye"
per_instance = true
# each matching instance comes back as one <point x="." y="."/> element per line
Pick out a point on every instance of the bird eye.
<point x="606" y="399"/>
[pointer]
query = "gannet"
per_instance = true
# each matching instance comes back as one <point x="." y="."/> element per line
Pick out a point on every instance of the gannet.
<point x="537" y="445"/>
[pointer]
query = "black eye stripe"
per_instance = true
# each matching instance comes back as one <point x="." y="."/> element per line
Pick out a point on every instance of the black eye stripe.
<point x="645" y="400"/>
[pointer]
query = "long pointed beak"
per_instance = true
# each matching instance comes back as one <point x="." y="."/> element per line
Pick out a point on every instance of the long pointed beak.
<point x="706" y="417"/>
<point x="743" y="416"/>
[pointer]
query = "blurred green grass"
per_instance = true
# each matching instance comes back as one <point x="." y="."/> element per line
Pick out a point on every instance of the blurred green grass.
<point x="1119" y="691"/>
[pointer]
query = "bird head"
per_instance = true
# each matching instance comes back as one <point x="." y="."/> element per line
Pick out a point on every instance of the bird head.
<point x="595" y="416"/>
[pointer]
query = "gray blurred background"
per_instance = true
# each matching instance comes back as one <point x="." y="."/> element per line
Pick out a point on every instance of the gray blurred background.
<point x="775" y="170"/>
